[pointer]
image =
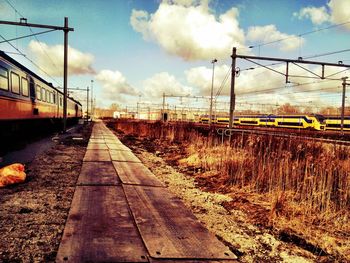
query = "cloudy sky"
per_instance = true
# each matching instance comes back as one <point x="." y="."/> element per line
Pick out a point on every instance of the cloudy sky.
<point x="136" y="50"/>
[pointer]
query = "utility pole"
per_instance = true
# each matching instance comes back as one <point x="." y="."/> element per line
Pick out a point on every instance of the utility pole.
<point x="163" y="109"/>
<point x="65" y="29"/>
<point x="343" y="105"/>
<point x="92" y="99"/>
<point x="233" y="96"/>
<point x="65" y="73"/>
<point x="87" y="94"/>
<point x="87" y="104"/>
<point x="300" y="60"/>
<point x="211" y="92"/>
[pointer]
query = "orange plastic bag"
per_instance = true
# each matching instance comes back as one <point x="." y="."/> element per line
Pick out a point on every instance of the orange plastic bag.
<point x="12" y="174"/>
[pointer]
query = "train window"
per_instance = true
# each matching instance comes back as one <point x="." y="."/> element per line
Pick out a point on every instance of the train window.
<point x="38" y="92"/>
<point x="43" y="94"/>
<point x="14" y="83"/>
<point x="54" y="98"/>
<point x="61" y="101"/>
<point x="4" y="84"/>
<point x="25" y="87"/>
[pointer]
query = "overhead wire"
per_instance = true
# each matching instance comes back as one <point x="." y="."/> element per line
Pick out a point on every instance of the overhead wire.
<point x="279" y="63"/>
<point x="25" y="56"/>
<point x="283" y="87"/>
<point x="301" y="34"/>
<point x="223" y="83"/>
<point x="35" y="34"/>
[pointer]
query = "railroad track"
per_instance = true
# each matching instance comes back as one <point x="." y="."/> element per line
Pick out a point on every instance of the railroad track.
<point x="317" y="136"/>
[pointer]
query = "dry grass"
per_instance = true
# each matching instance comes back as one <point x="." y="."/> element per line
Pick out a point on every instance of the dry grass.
<point x="307" y="183"/>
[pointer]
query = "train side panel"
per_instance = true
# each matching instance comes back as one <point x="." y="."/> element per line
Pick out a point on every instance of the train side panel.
<point x="24" y="95"/>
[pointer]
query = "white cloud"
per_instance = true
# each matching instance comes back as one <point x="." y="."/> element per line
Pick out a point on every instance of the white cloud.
<point x="318" y="15"/>
<point x="201" y="78"/>
<point x="267" y="81"/>
<point x="269" y="33"/>
<point x="50" y="58"/>
<point x="139" y="22"/>
<point x="265" y="86"/>
<point x="307" y="90"/>
<point x="336" y="12"/>
<point x="189" y="30"/>
<point x="164" y="83"/>
<point x="340" y="11"/>
<point x="114" y="85"/>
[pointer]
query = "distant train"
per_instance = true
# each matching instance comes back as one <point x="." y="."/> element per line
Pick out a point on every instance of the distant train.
<point x="24" y="96"/>
<point x="311" y="122"/>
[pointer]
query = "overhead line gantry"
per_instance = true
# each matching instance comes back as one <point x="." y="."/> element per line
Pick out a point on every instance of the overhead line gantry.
<point x="65" y="29"/>
<point x="235" y="70"/>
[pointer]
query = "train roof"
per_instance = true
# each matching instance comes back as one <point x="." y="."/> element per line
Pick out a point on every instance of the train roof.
<point x="20" y="66"/>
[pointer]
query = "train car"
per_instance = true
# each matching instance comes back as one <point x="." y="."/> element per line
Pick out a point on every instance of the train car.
<point x="313" y="122"/>
<point x="334" y="123"/>
<point x="222" y="121"/>
<point x="24" y="96"/>
<point x="205" y="119"/>
<point x="250" y="120"/>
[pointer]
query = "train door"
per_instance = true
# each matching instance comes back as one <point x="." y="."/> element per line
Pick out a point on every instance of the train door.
<point x="76" y="110"/>
<point x="32" y="89"/>
<point x="33" y="96"/>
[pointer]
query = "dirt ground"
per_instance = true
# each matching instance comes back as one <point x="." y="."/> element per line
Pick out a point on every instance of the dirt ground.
<point x="233" y="218"/>
<point x="33" y="214"/>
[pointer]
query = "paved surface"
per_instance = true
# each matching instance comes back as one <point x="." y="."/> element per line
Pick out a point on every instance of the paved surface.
<point x="30" y="150"/>
<point x="122" y="213"/>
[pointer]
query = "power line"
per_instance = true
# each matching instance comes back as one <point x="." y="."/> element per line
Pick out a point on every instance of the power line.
<point x="25" y="56"/>
<point x="47" y="55"/>
<point x="283" y="87"/>
<point x="299" y="35"/>
<point x="34" y="34"/>
<point x="307" y="57"/>
<point x="223" y="82"/>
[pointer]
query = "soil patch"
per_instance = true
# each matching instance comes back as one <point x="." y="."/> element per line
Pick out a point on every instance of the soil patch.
<point x="33" y="214"/>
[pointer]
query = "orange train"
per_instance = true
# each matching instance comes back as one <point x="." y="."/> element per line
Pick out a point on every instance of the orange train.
<point x="24" y="96"/>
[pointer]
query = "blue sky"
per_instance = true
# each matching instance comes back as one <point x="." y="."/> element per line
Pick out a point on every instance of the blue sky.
<point x="147" y="47"/>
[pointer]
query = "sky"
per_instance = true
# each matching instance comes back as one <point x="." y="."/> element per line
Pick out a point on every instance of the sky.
<point x="134" y="51"/>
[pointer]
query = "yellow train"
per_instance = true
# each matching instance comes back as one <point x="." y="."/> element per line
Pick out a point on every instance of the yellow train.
<point x="313" y="122"/>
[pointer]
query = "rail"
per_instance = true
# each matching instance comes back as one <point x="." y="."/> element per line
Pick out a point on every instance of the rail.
<point x="229" y="132"/>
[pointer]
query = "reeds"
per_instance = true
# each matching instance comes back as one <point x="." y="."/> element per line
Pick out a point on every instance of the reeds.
<point x="312" y="174"/>
<point x="316" y="173"/>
